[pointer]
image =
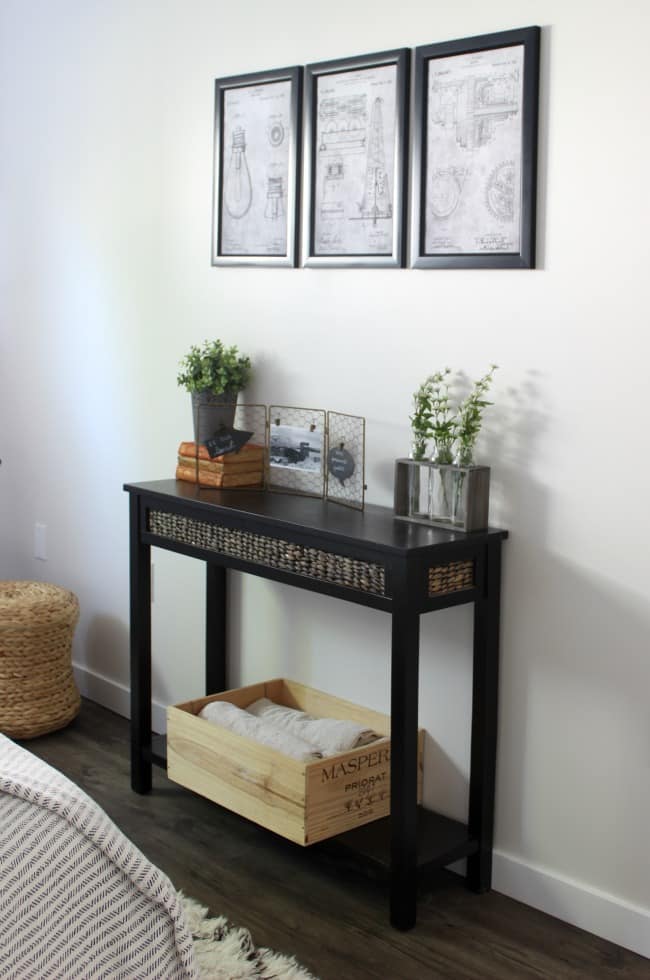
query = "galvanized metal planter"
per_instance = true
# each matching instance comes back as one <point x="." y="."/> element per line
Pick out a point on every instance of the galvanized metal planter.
<point x="211" y="411"/>
<point x="442" y="495"/>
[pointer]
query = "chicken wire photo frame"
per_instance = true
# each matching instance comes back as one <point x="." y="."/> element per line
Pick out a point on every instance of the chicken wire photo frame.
<point x="296" y="450"/>
<point x="345" y="477"/>
<point x="252" y="418"/>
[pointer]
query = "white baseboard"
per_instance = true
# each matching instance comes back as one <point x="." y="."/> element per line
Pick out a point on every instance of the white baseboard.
<point x="575" y="902"/>
<point x="116" y="697"/>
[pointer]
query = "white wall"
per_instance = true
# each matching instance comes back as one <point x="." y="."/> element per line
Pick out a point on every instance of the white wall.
<point x="105" y="280"/>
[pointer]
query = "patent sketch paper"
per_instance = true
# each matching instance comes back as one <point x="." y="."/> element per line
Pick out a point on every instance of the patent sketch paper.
<point x="474" y="152"/>
<point x="354" y="180"/>
<point x="255" y="169"/>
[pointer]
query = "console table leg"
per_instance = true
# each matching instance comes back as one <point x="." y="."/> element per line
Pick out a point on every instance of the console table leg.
<point x="215" y="628"/>
<point x="140" y="611"/>
<point x="404" y="769"/>
<point x="484" y="723"/>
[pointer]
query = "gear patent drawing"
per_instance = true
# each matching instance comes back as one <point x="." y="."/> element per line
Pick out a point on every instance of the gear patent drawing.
<point x="500" y="192"/>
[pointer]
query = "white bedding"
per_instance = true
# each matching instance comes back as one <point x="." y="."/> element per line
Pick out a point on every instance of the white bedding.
<point x="77" y="898"/>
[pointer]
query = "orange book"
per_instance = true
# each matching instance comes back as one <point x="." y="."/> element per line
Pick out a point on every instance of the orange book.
<point x="219" y="465"/>
<point x="247" y="452"/>
<point x="207" y="478"/>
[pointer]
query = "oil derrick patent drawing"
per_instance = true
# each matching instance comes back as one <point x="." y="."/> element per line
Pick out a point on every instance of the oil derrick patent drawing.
<point x="332" y="203"/>
<point x="343" y="122"/>
<point x="376" y="202"/>
<point x="238" y="189"/>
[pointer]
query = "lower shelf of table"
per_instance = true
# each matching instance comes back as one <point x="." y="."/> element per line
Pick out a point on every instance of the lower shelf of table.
<point x="159" y="750"/>
<point x="440" y="840"/>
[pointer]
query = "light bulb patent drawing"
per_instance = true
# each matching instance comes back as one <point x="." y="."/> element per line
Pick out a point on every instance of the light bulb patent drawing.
<point x="274" y="198"/>
<point x="238" y="188"/>
<point x="275" y="131"/>
<point x="376" y="202"/>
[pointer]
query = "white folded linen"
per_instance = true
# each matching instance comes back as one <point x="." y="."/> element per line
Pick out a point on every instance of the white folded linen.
<point x="329" y="735"/>
<point x="242" y="723"/>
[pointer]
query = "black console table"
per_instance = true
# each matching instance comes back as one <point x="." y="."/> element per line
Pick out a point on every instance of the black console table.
<point x="365" y="557"/>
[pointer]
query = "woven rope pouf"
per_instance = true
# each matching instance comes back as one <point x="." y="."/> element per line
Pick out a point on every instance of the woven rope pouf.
<point x="37" y="690"/>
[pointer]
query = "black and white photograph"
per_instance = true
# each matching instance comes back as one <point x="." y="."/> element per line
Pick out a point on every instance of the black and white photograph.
<point x="475" y="151"/>
<point x="293" y="447"/>
<point x="356" y="128"/>
<point x="256" y="163"/>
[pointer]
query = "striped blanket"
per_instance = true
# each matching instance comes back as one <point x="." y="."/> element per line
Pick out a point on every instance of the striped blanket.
<point x="77" y="898"/>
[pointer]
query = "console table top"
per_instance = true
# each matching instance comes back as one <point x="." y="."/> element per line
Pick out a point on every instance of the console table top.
<point x="373" y="526"/>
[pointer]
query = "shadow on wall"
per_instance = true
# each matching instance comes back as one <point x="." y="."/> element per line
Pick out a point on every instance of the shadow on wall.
<point x="574" y="675"/>
<point x="513" y="426"/>
<point x="106" y="647"/>
<point x="106" y="665"/>
<point x="574" y="725"/>
<point x="106" y="650"/>
<point x="573" y="680"/>
<point x="444" y="781"/>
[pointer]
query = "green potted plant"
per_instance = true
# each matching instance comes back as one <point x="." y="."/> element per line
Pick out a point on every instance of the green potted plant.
<point x="214" y="374"/>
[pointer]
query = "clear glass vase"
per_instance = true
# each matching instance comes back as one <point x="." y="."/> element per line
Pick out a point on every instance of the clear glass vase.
<point x="417" y="490"/>
<point x="442" y="488"/>
<point x="442" y="494"/>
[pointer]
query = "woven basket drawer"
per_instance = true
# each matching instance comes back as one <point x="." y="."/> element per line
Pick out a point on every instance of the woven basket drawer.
<point x="305" y="802"/>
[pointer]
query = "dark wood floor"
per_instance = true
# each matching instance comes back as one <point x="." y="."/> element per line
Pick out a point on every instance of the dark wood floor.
<point x="333" y="919"/>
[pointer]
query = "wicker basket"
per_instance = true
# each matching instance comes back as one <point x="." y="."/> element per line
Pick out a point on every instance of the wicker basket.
<point x="37" y="690"/>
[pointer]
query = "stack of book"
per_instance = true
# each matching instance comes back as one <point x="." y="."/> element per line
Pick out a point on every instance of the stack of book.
<point x="241" y="469"/>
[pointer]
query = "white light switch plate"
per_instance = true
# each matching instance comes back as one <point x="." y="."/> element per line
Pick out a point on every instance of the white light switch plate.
<point x="40" y="541"/>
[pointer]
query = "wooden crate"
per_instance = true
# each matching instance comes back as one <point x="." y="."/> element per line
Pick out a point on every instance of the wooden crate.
<point x="303" y="801"/>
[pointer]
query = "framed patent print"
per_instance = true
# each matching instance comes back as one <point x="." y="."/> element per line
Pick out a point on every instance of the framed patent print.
<point x="474" y="166"/>
<point x="355" y="169"/>
<point x="257" y="139"/>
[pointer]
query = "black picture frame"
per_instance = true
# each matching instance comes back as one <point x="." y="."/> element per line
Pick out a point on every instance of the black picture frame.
<point x="257" y="163"/>
<point x="355" y="167"/>
<point x="474" y="162"/>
